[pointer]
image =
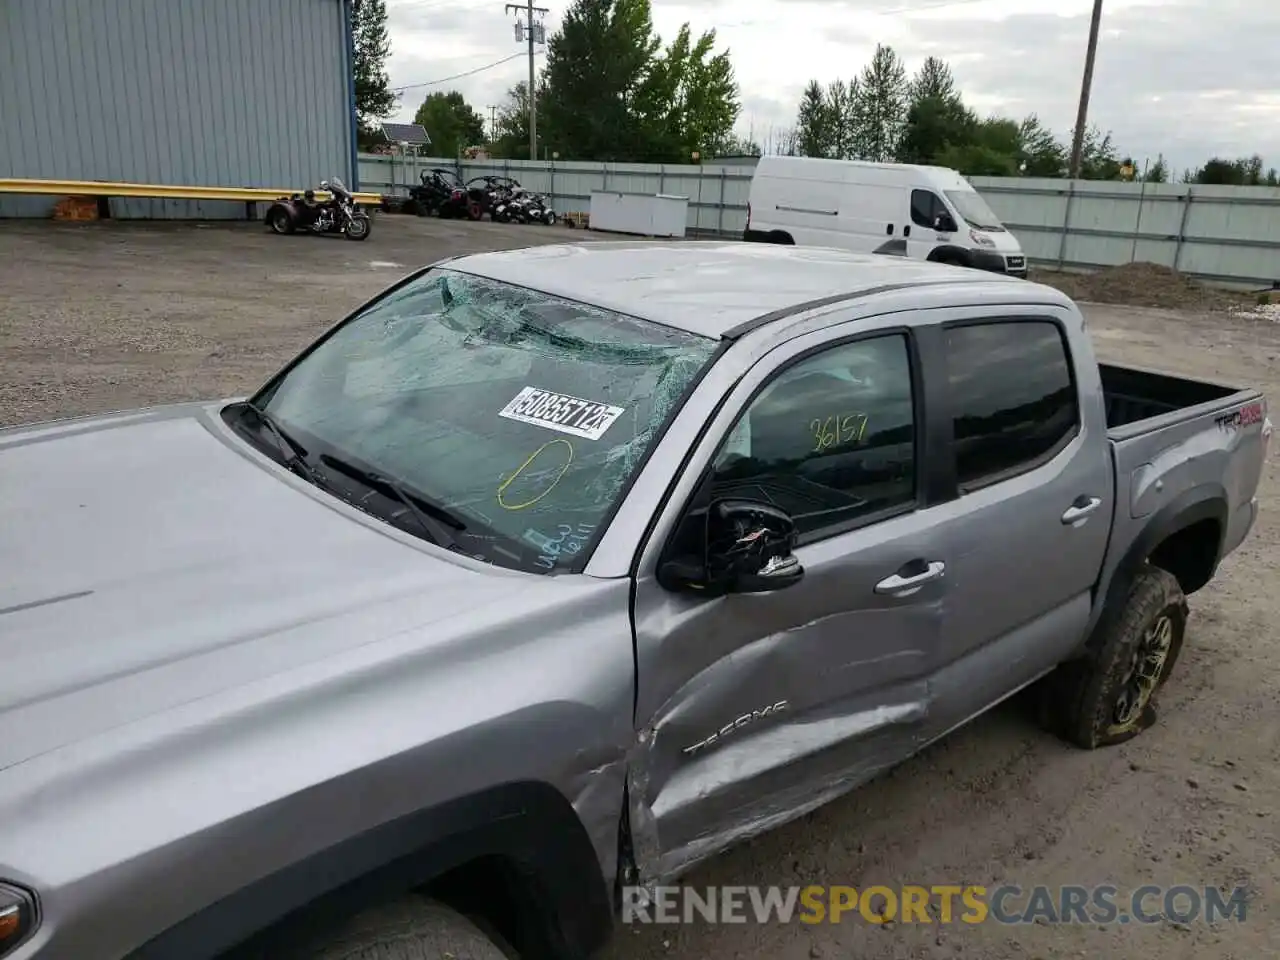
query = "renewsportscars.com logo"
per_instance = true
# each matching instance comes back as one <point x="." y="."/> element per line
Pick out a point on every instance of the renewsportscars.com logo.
<point x="941" y="903"/>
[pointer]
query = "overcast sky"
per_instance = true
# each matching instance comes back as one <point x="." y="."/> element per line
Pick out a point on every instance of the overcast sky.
<point x="1186" y="78"/>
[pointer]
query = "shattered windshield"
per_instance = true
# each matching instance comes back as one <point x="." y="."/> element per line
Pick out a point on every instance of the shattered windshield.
<point x="521" y="414"/>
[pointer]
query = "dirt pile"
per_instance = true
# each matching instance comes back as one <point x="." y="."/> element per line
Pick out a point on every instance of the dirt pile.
<point x="1143" y="285"/>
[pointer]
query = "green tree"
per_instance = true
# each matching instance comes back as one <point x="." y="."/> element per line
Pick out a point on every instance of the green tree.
<point x="737" y="146"/>
<point x="688" y="100"/>
<point x="933" y="81"/>
<point x="374" y="99"/>
<point x="813" y="123"/>
<point x="596" y="68"/>
<point x="881" y="108"/>
<point x="1099" y="159"/>
<point x="934" y="124"/>
<point x="1042" y="154"/>
<point x="450" y="122"/>
<point x="842" y="116"/>
<point x="1158" y="172"/>
<point x="1244" y="172"/>
<point x="978" y="160"/>
<point x="511" y="125"/>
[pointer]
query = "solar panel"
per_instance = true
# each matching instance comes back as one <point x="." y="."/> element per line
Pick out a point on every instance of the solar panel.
<point x="411" y="133"/>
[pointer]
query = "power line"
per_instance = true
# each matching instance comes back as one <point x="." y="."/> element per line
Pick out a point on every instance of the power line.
<point x="459" y="76"/>
<point x="923" y="6"/>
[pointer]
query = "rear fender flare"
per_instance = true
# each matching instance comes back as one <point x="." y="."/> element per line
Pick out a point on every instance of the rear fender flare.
<point x="529" y="824"/>
<point x="1204" y="502"/>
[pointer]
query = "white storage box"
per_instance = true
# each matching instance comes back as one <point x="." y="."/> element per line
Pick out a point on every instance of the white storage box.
<point x="647" y="215"/>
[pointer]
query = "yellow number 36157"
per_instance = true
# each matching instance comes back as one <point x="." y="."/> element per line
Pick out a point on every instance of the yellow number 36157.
<point x="837" y="431"/>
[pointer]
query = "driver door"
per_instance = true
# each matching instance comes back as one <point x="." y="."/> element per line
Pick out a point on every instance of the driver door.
<point x="756" y="707"/>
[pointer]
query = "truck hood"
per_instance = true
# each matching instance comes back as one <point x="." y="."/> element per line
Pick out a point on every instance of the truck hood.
<point x="152" y="558"/>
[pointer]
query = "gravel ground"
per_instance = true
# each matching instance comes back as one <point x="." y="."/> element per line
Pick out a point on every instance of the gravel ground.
<point x="1145" y="285"/>
<point x="101" y="317"/>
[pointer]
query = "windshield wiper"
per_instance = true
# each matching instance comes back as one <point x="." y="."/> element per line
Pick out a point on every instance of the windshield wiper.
<point x="295" y="454"/>
<point x="439" y="523"/>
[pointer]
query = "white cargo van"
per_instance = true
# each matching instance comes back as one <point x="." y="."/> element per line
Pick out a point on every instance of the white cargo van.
<point x="925" y="213"/>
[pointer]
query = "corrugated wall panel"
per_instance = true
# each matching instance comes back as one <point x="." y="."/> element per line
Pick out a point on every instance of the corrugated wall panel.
<point x="207" y="92"/>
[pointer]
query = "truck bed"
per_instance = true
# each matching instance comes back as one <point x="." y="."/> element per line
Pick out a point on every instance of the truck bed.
<point x="1176" y="441"/>
<point x="1134" y="395"/>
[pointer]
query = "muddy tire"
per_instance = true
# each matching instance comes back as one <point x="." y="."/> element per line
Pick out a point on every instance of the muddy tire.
<point x="1109" y="697"/>
<point x="409" y="929"/>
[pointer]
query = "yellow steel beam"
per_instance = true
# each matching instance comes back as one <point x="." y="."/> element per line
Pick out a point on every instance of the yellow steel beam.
<point x="101" y="188"/>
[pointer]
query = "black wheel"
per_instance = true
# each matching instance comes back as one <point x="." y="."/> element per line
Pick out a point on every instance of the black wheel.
<point x="279" y="221"/>
<point x="549" y="218"/>
<point x="474" y="210"/>
<point x="1109" y="697"/>
<point x="409" y="929"/>
<point x="358" y="227"/>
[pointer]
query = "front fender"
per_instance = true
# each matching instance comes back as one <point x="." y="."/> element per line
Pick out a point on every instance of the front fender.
<point x="565" y="903"/>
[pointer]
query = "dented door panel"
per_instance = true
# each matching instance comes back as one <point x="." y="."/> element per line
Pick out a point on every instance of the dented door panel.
<point x="769" y="700"/>
<point x="753" y="709"/>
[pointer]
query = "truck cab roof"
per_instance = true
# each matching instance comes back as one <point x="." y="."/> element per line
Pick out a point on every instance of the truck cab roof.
<point x="721" y="290"/>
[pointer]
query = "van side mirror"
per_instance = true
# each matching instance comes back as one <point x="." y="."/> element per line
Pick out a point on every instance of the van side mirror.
<point x="748" y="548"/>
<point x="944" y="224"/>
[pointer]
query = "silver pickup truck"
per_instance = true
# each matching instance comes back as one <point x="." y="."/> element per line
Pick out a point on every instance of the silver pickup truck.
<point x="549" y="573"/>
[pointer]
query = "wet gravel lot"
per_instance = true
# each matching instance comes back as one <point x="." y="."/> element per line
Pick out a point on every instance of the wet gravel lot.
<point x="109" y="316"/>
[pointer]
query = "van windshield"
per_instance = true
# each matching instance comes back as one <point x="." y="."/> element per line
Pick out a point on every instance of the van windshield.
<point x="974" y="211"/>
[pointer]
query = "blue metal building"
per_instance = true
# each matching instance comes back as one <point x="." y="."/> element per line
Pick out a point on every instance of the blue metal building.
<point x="231" y="93"/>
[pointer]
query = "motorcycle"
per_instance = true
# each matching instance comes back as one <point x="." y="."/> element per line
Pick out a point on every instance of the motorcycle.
<point x="538" y="210"/>
<point x="338" y="214"/>
<point x="485" y="194"/>
<point x="523" y="206"/>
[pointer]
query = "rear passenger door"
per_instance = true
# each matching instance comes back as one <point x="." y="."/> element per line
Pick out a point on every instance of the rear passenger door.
<point x="1029" y="526"/>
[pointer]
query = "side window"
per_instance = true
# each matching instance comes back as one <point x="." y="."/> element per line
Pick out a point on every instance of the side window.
<point x="829" y="439"/>
<point x="1013" y="397"/>
<point x="925" y="206"/>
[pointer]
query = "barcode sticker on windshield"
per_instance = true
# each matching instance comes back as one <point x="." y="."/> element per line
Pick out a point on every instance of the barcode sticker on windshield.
<point x="557" y="411"/>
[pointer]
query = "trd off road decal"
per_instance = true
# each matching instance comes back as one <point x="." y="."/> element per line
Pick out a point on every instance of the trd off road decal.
<point x="557" y="411"/>
<point x="1250" y="414"/>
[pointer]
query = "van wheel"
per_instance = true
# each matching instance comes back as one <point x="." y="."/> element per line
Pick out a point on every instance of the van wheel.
<point x="409" y="929"/>
<point x="1109" y="697"/>
<point x="781" y="236"/>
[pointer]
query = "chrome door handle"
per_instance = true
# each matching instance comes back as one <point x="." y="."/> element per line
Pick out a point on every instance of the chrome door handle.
<point x="900" y="586"/>
<point x="1080" y="509"/>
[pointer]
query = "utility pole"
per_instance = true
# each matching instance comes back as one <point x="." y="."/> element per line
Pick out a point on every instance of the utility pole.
<point x="1082" y="115"/>
<point x="535" y="32"/>
<point x="493" y="121"/>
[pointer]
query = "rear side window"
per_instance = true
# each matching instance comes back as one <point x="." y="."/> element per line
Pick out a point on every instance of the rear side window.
<point x="1013" y="398"/>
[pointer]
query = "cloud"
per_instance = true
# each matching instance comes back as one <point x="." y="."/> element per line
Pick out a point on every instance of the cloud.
<point x="1186" y="78"/>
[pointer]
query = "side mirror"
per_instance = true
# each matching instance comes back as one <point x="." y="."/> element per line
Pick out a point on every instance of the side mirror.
<point x="944" y="224"/>
<point x="747" y="548"/>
